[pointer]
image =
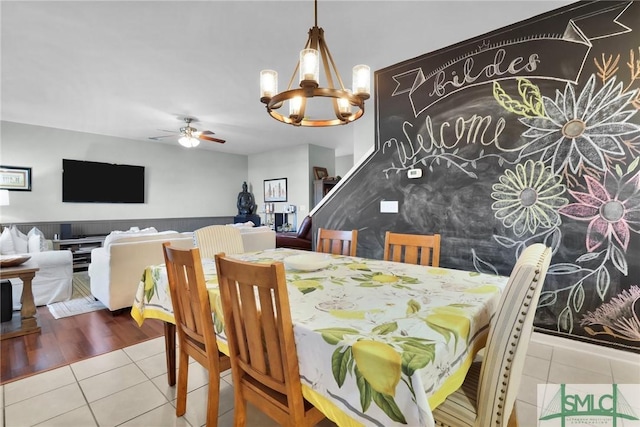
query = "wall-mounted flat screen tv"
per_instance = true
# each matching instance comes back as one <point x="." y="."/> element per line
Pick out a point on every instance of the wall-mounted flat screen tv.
<point x="96" y="182"/>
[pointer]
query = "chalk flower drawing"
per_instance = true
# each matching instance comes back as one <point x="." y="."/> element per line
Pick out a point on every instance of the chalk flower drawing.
<point x="581" y="131"/>
<point x="617" y="317"/>
<point x="528" y="198"/>
<point x="613" y="211"/>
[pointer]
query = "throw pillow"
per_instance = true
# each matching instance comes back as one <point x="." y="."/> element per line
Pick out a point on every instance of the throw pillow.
<point x="247" y="224"/>
<point x="42" y="241"/>
<point x="20" y="240"/>
<point x="110" y="237"/>
<point x="132" y="232"/>
<point x="6" y="243"/>
<point x="34" y="243"/>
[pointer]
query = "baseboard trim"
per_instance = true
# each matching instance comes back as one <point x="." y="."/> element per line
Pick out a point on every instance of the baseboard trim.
<point x="584" y="347"/>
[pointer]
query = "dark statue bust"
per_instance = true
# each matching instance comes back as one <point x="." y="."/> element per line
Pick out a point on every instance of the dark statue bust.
<point x="246" y="203"/>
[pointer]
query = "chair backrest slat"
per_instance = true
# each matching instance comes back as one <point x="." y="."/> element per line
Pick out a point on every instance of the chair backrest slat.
<point x="412" y="248"/>
<point x="337" y="242"/>
<point x="190" y="301"/>
<point x="271" y="334"/>
<point x="252" y="328"/>
<point x="242" y="340"/>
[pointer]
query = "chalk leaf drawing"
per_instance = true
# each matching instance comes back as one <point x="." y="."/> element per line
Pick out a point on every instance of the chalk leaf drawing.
<point x="528" y="198"/>
<point x="608" y="67"/>
<point x="530" y="104"/>
<point x="618" y="317"/>
<point x="634" y="67"/>
<point x="581" y="130"/>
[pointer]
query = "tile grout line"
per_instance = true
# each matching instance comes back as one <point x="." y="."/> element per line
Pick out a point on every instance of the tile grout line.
<point x="75" y="377"/>
<point x="552" y="360"/>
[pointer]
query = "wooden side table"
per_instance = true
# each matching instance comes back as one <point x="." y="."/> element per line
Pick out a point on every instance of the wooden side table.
<point x="27" y="323"/>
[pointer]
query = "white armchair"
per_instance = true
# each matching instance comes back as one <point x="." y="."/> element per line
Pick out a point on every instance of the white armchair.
<point x="53" y="281"/>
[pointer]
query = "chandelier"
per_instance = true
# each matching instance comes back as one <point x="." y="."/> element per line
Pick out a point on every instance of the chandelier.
<point x="348" y="105"/>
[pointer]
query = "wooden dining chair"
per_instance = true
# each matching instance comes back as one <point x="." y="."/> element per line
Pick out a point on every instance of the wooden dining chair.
<point x="194" y="321"/>
<point x="213" y="239"/>
<point x="489" y="391"/>
<point x="264" y="362"/>
<point x="412" y="248"/>
<point x="337" y="242"/>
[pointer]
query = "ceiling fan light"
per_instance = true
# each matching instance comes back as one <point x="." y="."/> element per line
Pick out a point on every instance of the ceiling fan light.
<point x="189" y="141"/>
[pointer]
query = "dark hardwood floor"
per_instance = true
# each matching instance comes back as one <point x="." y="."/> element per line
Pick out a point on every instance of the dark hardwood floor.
<point x="68" y="340"/>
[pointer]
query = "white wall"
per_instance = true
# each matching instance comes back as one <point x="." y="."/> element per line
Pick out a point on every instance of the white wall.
<point x="291" y="163"/>
<point x="344" y="164"/>
<point x="322" y="157"/>
<point x="179" y="182"/>
<point x="364" y="135"/>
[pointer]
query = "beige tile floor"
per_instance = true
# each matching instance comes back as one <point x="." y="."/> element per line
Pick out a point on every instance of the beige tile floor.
<point x="128" y="387"/>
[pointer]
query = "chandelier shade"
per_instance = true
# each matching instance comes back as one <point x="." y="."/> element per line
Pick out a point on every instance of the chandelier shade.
<point x="347" y="105"/>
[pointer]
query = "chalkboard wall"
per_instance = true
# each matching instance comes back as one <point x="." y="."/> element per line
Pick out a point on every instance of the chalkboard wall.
<point x="526" y="134"/>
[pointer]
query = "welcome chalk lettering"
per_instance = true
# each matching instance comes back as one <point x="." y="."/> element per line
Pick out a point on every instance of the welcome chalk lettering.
<point x="416" y="146"/>
<point x="490" y="71"/>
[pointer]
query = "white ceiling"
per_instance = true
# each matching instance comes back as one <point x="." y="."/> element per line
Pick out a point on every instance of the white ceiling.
<point x="129" y="68"/>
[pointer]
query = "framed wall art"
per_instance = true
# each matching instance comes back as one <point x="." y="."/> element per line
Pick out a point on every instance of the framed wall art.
<point x="320" y="173"/>
<point x="275" y="190"/>
<point x="15" y="178"/>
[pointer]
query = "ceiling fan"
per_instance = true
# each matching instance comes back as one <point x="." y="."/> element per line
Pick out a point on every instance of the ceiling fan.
<point x="190" y="136"/>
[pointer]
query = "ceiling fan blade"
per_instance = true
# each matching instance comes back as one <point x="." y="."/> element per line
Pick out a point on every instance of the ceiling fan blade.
<point x="201" y="132"/>
<point x="156" y="138"/>
<point x="209" y="138"/>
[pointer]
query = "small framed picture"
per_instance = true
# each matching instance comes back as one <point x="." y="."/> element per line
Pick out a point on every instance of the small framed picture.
<point x="275" y="190"/>
<point x="15" y="178"/>
<point x="320" y="173"/>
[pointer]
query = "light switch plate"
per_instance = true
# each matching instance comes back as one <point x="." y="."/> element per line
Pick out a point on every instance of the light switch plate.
<point x="414" y="173"/>
<point x="388" y="206"/>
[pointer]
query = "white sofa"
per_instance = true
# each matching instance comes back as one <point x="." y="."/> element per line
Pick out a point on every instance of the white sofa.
<point x="116" y="268"/>
<point x="53" y="281"/>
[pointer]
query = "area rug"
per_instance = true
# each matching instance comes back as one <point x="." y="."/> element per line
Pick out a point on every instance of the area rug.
<point x="81" y="299"/>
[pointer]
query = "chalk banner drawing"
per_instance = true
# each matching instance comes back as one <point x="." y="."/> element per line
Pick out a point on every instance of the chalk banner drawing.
<point x="528" y="134"/>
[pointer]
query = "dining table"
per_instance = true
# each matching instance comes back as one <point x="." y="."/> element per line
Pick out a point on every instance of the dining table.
<point x="379" y="343"/>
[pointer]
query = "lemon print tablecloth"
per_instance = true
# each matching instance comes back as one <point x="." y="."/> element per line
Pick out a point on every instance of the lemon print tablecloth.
<point x="379" y="343"/>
